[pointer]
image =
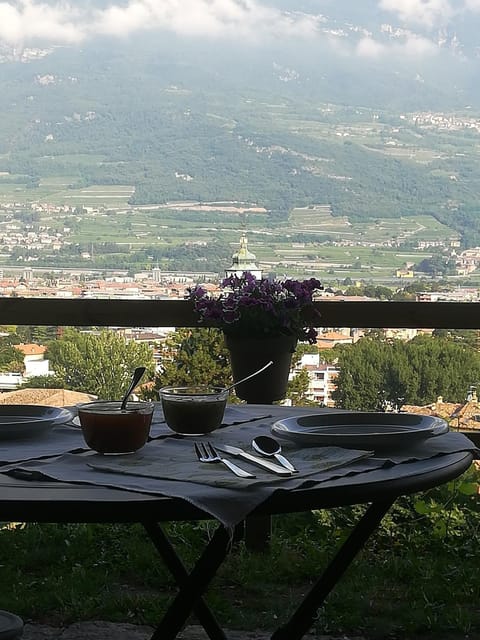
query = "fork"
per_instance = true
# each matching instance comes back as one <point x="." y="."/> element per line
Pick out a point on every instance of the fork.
<point x="208" y="453"/>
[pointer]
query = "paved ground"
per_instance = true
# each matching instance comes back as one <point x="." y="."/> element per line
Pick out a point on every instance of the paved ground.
<point x="111" y="631"/>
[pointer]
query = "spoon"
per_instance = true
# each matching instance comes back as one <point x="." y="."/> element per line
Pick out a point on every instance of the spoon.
<point x="270" y="448"/>
<point x="250" y="376"/>
<point x="137" y="374"/>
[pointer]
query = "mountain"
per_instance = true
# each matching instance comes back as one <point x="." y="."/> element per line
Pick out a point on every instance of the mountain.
<point x="349" y="51"/>
<point x="280" y="103"/>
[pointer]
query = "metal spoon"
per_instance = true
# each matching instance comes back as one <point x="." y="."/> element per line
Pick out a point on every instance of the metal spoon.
<point x="137" y="374"/>
<point x="270" y="448"/>
<point x="250" y="376"/>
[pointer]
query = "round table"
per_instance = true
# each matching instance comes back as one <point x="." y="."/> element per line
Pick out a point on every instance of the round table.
<point x="59" y="502"/>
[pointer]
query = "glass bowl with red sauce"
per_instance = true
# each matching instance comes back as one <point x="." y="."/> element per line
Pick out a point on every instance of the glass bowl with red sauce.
<point x="109" y="429"/>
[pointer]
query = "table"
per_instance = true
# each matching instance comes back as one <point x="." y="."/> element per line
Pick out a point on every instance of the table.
<point x="61" y="502"/>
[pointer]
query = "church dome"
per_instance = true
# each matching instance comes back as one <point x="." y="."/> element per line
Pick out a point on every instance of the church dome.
<point x="244" y="260"/>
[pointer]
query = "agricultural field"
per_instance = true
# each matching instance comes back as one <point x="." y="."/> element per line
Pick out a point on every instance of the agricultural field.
<point x="310" y="241"/>
<point x="56" y="191"/>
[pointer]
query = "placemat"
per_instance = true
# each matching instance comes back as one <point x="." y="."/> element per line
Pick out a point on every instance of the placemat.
<point x="227" y="498"/>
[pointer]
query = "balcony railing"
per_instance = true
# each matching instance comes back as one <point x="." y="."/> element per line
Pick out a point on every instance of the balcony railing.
<point x="179" y="313"/>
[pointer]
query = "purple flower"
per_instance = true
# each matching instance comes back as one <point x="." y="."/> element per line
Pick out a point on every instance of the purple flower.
<point x="247" y="306"/>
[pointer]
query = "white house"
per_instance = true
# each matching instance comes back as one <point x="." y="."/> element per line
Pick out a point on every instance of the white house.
<point x="34" y="360"/>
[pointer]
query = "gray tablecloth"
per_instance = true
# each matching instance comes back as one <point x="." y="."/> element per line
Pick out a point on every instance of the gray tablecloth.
<point x="68" y="438"/>
<point x="169" y="467"/>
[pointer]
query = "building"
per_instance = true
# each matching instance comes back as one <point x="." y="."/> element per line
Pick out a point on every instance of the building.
<point x="331" y="338"/>
<point x="464" y="416"/>
<point x="34" y="359"/>
<point x="243" y="261"/>
<point x="321" y="379"/>
<point x="46" y="397"/>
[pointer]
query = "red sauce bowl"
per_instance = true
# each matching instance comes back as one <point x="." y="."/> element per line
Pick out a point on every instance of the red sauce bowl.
<point x="108" y="429"/>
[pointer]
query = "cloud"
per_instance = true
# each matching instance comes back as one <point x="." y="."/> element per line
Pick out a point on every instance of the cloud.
<point x="44" y="22"/>
<point x="473" y="5"/>
<point x="59" y="22"/>
<point x="418" y="46"/>
<point x="29" y="20"/>
<point x="215" y="18"/>
<point x="429" y="13"/>
<point x="412" y="45"/>
<point x="370" y="48"/>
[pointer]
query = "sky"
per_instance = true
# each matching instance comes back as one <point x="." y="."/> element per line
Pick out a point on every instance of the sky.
<point x="59" y="22"/>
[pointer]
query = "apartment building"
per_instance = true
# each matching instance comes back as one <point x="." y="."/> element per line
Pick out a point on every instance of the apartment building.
<point x="321" y="379"/>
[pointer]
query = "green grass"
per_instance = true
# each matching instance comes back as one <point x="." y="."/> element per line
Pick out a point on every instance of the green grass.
<point x="418" y="576"/>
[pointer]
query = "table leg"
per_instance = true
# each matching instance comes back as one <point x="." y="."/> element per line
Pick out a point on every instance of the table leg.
<point x="258" y="532"/>
<point x="191" y="585"/>
<point x="304" y="617"/>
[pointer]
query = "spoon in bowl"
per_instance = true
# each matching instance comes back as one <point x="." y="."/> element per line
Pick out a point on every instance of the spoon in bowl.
<point x="137" y="374"/>
<point x="250" y="376"/>
<point x="270" y="448"/>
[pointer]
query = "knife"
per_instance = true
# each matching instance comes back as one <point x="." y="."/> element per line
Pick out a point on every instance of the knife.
<point x="261" y="462"/>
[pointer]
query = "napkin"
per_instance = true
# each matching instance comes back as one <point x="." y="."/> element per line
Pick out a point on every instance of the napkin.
<point x="210" y="487"/>
<point x="68" y="437"/>
<point x="159" y="429"/>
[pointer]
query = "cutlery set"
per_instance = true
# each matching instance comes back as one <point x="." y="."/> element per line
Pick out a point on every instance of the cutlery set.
<point x="206" y="452"/>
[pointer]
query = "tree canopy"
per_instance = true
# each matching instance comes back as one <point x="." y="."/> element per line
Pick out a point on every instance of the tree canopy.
<point x="194" y="357"/>
<point x="98" y="363"/>
<point x="11" y="359"/>
<point x="415" y="372"/>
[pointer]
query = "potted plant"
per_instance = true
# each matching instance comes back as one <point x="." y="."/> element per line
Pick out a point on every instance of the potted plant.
<point x="262" y="320"/>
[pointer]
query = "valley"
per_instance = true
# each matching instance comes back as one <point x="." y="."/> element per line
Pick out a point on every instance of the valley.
<point x="137" y="152"/>
<point x="106" y="232"/>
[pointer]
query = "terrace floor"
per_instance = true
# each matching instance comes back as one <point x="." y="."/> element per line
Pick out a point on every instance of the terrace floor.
<point x="99" y="630"/>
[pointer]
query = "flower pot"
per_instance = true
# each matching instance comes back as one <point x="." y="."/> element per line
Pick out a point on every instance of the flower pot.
<point x="249" y="354"/>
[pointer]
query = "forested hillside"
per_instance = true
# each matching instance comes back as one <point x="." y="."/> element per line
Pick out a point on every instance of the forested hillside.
<point x="184" y="120"/>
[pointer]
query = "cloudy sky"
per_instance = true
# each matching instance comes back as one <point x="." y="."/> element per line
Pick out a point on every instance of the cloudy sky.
<point x="61" y="22"/>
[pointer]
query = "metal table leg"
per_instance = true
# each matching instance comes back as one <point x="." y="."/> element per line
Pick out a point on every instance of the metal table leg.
<point x="304" y="617"/>
<point x="191" y="585"/>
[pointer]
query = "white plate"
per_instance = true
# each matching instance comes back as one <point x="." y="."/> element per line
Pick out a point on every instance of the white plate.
<point x="26" y="421"/>
<point x="364" y="430"/>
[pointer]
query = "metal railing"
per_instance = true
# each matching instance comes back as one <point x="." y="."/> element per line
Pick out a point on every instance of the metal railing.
<point x="179" y="313"/>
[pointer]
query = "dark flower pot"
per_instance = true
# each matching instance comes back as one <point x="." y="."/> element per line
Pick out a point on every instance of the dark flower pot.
<point x="250" y="354"/>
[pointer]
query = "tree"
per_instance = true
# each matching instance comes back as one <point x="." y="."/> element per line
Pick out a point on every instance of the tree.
<point x="373" y="372"/>
<point x="43" y="382"/>
<point x="36" y="333"/>
<point x="437" y="265"/>
<point x="100" y="364"/>
<point x="470" y="337"/>
<point x="360" y="378"/>
<point x="11" y="359"/>
<point x="194" y="357"/>
<point x="298" y="388"/>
